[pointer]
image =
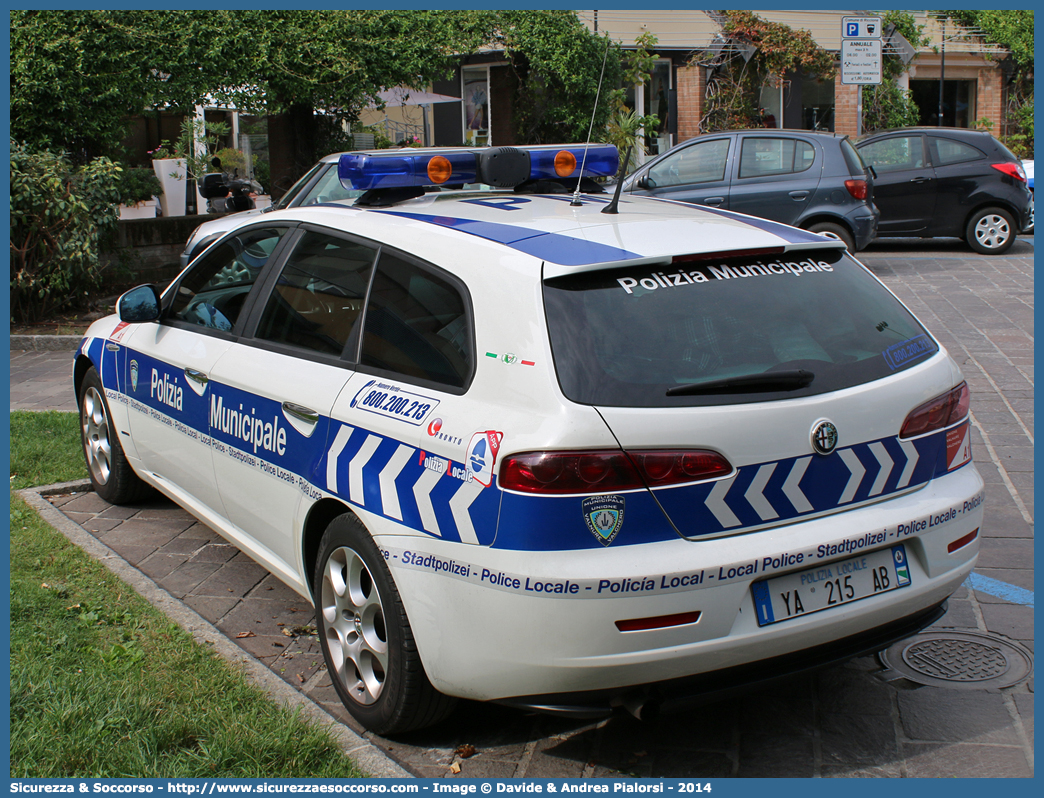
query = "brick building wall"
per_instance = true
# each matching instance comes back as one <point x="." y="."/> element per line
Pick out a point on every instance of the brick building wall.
<point x="846" y="107"/>
<point x="691" y="84"/>
<point x="988" y="100"/>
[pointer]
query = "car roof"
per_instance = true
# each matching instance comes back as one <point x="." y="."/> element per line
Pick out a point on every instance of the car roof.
<point x="564" y="238"/>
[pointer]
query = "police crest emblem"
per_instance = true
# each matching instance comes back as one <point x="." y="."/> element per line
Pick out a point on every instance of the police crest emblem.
<point x="604" y="515"/>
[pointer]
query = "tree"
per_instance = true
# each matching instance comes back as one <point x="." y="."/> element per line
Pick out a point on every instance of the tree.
<point x="557" y="62"/>
<point x="1012" y="29"/>
<point x="755" y="52"/>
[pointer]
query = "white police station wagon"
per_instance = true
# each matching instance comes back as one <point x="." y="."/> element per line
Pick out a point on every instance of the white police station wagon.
<point x="545" y="446"/>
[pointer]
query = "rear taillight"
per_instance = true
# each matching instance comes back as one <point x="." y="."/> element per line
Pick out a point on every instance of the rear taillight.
<point x="941" y="412"/>
<point x="857" y="188"/>
<point x="606" y="471"/>
<point x="1011" y="170"/>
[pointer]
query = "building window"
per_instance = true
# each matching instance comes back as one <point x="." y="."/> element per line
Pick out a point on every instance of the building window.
<point x="476" y="106"/>
<point x="653" y="98"/>
<point x="958" y="102"/>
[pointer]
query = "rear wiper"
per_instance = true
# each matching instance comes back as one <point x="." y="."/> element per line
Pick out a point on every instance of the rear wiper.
<point x="748" y="383"/>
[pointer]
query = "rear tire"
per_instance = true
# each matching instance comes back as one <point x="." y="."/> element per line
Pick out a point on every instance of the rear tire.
<point x="366" y="638"/>
<point x="111" y="475"/>
<point x="833" y="230"/>
<point x="990" y="231"/>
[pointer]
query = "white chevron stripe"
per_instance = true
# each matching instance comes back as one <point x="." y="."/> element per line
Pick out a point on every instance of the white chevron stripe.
<point x="389" y="495"/>
<point x="459" y="504"/>
<point x="792" y="489"/>
<point x="355" y="469"/>
<point x="911" y="463"/>
<point x="887" y="463"/>
<point x="755" y="495"/>
<point x="422" y="493"/>
<point x="716" y="503"/>
<point x="343" y="434"/>
<point x="849" y="458"/>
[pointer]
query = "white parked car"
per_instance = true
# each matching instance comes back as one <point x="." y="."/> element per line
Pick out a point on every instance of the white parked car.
<point x="519" y="447"/>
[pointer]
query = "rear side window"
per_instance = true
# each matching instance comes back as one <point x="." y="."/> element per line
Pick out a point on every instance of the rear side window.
<point x="624" y="337"/>
<point x="947" y="151"/>
<point x="417" y="324"/>
<point x="761" y="156"/>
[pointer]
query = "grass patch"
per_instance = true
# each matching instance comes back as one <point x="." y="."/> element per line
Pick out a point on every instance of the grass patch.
<point x="45" y="448"/>
<point x="105" y="686"/>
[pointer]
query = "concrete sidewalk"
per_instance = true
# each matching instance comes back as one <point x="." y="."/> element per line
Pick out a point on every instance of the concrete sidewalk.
<point x="844" y="721"/>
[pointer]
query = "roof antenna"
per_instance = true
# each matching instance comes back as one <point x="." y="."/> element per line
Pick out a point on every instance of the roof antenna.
<point x="611" y="207"/>
<point x="598" y="93"/>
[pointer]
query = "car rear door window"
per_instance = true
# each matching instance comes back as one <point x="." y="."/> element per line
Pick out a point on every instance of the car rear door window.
<point x="418" y="324"/>
<point x="318" y="299"/>
<point x="213" y="293"/>
<point x="766" y="155"/>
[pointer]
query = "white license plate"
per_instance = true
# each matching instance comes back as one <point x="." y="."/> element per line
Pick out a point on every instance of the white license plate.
<point x="830" y="585"/>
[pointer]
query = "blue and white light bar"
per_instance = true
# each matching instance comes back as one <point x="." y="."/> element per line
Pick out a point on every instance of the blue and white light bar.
<point x="504" y="167"/>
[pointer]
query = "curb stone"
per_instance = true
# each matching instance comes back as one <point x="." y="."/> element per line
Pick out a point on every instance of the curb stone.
<point x="46" y="343"/>
<point x="370" y="759"/>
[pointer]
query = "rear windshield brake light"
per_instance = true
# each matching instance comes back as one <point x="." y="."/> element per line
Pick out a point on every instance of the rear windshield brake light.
<point x="737" y="253"/>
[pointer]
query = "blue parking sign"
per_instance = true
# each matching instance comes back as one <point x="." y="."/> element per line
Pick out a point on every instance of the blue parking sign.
<point x="853" y="29"/>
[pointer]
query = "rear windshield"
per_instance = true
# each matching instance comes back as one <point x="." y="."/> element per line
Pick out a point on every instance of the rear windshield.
<point x="623" y="337"/>
<point x="852" y="159"/>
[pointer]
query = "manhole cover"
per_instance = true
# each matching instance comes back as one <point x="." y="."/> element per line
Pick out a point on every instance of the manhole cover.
<point x="969" y="660"/>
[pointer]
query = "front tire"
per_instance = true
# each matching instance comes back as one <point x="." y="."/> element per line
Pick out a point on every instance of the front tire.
<point x="832" y="230"/>
<point x="111" y="475"/>
<point x="990" y="231"/>
<point x="366" y="638"/>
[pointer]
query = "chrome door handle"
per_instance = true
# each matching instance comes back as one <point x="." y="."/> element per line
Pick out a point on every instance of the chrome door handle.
<point x="713" y="201"/>
<point x="300" y="412"/>
<point x="920" y="179"/>
<point x="197" y="376"/>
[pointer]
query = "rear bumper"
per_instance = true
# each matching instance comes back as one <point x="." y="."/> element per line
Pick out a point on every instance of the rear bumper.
<point x="678" y="694"/>
<point x="865" y="228"/>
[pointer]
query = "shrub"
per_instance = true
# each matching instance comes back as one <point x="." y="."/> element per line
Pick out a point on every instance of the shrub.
<point x="138" y="184"/>
<point x="58" y="214"/>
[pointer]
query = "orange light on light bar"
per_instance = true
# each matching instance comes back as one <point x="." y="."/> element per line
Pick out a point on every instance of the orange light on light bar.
<point x="659" y="622"/>
<point x="960" y="543"/>
<point x="439" y="170"/>
<point x="565" y="163"/>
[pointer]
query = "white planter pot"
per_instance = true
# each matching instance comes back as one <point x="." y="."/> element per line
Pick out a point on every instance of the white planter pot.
<point x="146" y="209"/>
<point x="172" y="173"/>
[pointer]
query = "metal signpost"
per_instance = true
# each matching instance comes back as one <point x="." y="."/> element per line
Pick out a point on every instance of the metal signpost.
<point x="860" y="56"/>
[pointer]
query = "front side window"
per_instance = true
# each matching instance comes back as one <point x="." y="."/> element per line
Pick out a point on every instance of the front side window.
<point x="761" y="156"/>
<point x="417" y="324"/>
<point x="213" y="292"/>
<point x="703" y="162"/>
<point x="625" y="337"/>
<point x="318" y="299"/>
<point x="894" y="154"/>
<point x="328" y="188"/>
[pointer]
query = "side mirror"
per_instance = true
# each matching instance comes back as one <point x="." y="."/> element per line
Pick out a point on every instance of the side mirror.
<point x="645" y="183"/>
<point x="139" y="305"/>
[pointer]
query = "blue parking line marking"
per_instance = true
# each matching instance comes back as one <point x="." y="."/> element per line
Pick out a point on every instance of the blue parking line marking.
<point x="994" y="587"/>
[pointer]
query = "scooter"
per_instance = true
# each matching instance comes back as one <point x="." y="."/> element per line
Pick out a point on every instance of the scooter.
<point x="227" y="193"/>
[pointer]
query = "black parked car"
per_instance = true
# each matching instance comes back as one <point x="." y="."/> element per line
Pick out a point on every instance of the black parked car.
<point x="941" y="181"/>
<point x="816" y="181"/>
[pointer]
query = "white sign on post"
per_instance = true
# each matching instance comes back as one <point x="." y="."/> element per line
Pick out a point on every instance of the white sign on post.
<point x="861" y="62"/>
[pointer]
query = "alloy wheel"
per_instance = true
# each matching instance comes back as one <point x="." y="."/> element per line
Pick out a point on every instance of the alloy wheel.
<point x="353" y="616"/>
<point x="96" y="444"/>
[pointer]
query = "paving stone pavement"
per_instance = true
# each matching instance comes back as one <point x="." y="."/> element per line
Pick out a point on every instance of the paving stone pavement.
<point x="841" y="722"/>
